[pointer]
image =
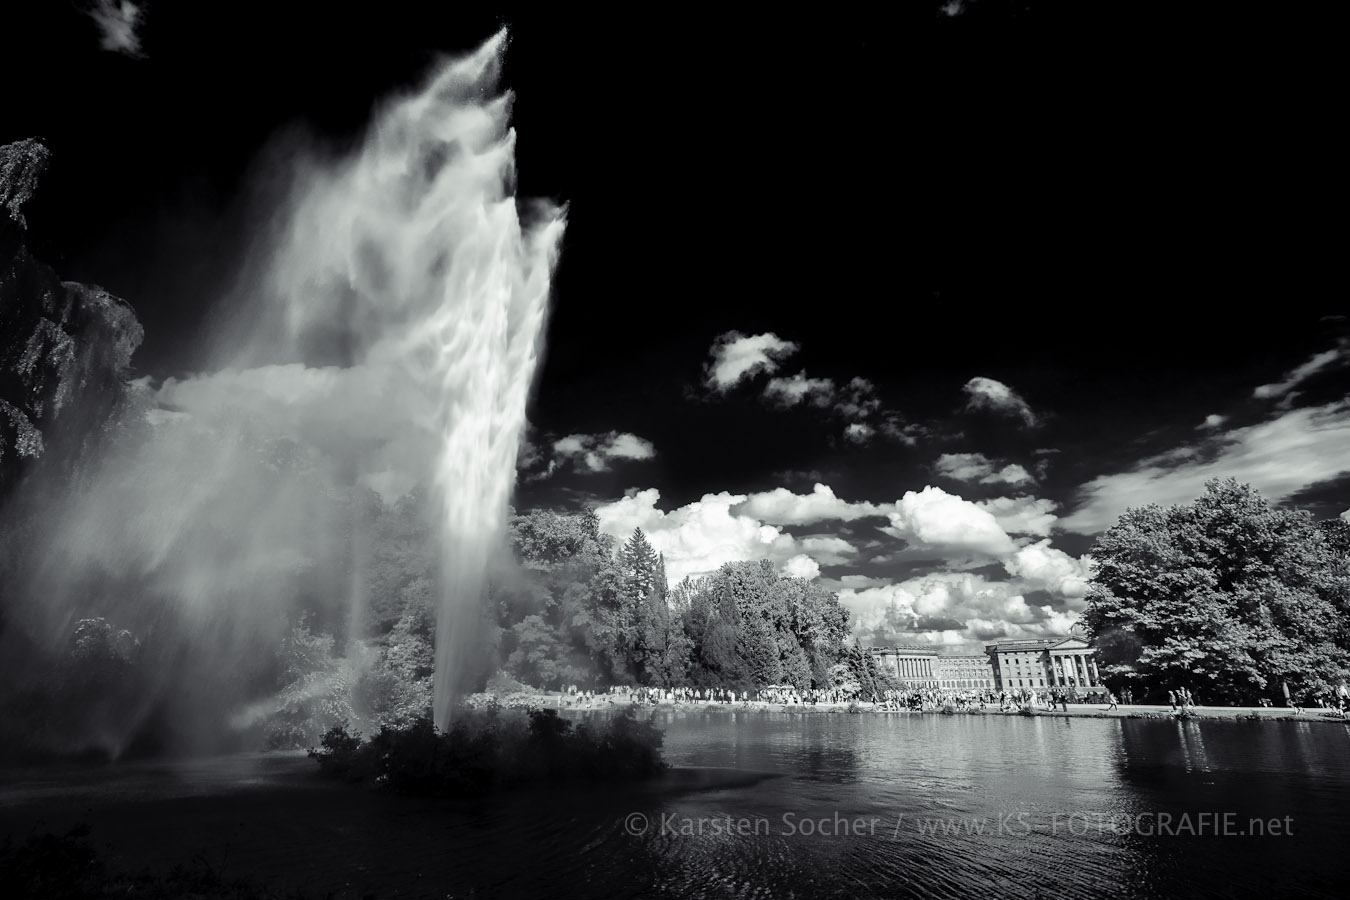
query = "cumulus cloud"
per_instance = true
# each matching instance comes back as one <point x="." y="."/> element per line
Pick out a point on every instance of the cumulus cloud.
<point x="1021" y="515"/>
<point x="896" y="429"/>
<point x="737" y="357"/>
<point x="953" y="609"/>
<point x="948" y="607"/>
<point x="596" y="452"/>
<point x="1300" y="374"/>
<point x="1279" y="457"/>
<point x="857" y="400"/>
<point x="782" y="507"/>
<point x="986" y="393"/>
<point x="700" y="536"/>
<point x="933" y="519"/>
<point x="787" y="392"/>
<point x="859" y="433"/>
<point x="976" y="467"/>
<point x="1213" y="420"/>
<point x="801" y="566"/>
<point x="1042" y="567"/>
<point x="119" y="23"/>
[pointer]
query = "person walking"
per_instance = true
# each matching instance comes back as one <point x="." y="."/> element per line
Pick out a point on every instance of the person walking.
<point x="1172" y="699"/>
<point x="1111" y="700"/>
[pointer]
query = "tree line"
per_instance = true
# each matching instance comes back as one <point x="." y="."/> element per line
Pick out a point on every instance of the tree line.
<point x="596" y="614"/>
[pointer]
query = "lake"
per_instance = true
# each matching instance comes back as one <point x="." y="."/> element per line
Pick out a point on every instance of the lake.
<point x="770" y="804"/>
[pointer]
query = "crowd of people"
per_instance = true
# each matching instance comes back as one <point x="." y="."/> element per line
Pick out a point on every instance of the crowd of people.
<point x="1181" y="699"/>
<point x="917" y="699"/>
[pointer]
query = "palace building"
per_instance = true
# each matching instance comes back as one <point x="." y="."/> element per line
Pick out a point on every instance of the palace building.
<point x="923" y="667"/>
<point x="1006" y="665"/>
<point x="1055" y="663"/>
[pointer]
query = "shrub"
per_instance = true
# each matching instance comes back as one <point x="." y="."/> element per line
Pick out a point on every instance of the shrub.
<point x="493" y="748"/>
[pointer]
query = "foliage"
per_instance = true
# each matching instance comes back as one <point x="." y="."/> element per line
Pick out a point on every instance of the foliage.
<point x="1227" y="595"/>
<point x="316" y="694"/>
<point x="493" y="749"/>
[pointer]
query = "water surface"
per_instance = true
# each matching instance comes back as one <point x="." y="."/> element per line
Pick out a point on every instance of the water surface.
<point x="806" y="805"/>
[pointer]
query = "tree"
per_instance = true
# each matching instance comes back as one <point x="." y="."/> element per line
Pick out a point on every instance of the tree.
<point x="1227" y="595"/>
<point x="713" y="628"/>
<point x="663" y="647"/>
<point x="638" y="562"/>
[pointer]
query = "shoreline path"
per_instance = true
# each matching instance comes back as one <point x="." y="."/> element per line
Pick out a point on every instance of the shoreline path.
<point x="1076" y="710"/>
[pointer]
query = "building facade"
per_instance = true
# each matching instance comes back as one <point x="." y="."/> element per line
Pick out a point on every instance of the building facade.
<point x="1005" y="665"/>
<point x="913" y="667"/>
<point x="966" y="673"/>
<point x="924" y="667"/>
<point x="1042" y="665"/>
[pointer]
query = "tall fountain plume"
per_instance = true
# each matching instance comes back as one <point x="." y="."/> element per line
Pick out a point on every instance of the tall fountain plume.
<point x="445" y="292"/>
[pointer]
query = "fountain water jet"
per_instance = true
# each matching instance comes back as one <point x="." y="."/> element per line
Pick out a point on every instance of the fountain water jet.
<point x="421" y="235"/>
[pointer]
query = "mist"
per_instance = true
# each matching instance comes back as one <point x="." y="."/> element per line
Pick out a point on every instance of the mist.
<point x="382" y="339"/>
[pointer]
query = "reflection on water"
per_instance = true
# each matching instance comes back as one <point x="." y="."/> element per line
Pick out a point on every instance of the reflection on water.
<point x="854" y="806"/>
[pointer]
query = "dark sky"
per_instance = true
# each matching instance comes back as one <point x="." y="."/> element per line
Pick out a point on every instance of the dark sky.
<point x="1046" y="241"/>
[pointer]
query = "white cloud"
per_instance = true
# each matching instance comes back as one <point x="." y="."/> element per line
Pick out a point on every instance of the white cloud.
<point x="1279" y="458"/>
<point x="859" y="432"/>
<point x="596" y="452"/>
<point x="830" y="550"/>
<point x="782" y="507"/>
<point x="1045" y="568"/>
<point x="1302" y="373"/>
<point x="1346" y="515"/>
<point x="737" y="357"/>
<point x="952" y="608"/>
<point x="986" y="393"/>
<point x="1213" y="420"/>
<point x="1021" y="515"/>
<point x="857" y="399"/>
<point x="793" y="390"/>
<point x="118" y="24"/>
<point x="700" y="536"/>
<point x="895" y="428"/>
<point x="976" y="467"/>
<point x="932" y="519"/>
<point x="801" y="566"/>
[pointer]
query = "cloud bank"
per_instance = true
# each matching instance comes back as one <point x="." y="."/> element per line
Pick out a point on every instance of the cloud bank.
<point x="596" y="452"/>
<point x="1278" y="457"/>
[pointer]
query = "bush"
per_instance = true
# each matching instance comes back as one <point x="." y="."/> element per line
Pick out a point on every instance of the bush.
<point x="493" y="748"/>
